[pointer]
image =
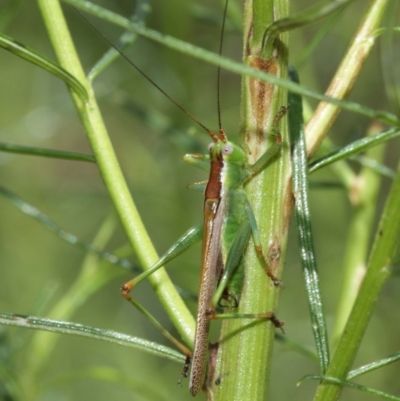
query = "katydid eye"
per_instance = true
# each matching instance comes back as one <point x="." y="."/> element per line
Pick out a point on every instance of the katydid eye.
<point x="227" y="150"/>
<point x="210" y="146"/>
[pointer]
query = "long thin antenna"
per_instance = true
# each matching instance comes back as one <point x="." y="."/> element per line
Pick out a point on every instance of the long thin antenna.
<point x="221" y="42"/>
<point x="213" y="136"/>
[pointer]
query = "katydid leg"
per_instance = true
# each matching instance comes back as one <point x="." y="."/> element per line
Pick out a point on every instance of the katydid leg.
<point x="273" y="150"/>
<point x="198" y="186"/>
<point x="198" y="160"/>
<point x="163" y="331"/>
<point x="258" y="246"/>
<point x="190" y="238"/>
<point x="239" y="245"/>
<point x="266" y="315"/>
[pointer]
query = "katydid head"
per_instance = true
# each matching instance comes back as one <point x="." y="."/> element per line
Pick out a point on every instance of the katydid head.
<point x="227" y="151"/>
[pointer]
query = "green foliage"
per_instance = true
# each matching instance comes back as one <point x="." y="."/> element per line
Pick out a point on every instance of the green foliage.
<point x="69" y="277"/>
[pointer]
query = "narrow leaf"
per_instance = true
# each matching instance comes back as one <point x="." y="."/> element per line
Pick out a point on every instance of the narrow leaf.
<point x="345" y="383"/>
<point x="309" y="16"/>
<point x="53" y="153"/>
<point x="303" y="221"/>
<point x="56" y="326"/>
<point x="354" y="148"/>
<point x="32" y="211"/>
<point x="142" y="9"/>
<point x="33" y="57"/>
<point x="226" y="63"/>
<point x="373" y="366"/>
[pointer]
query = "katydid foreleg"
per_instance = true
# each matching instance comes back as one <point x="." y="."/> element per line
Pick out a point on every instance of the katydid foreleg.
<point x="258" y="246"/>
<point x="272" y="151"/>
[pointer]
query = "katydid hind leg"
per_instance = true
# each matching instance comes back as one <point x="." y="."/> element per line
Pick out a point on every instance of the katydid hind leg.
<point x="235" y="254"/>
<point x="190" y="238"/>
<point x="162" y="330"/>
<point x="258" y="246"/>
<point x="265" y="315"/>
<point x="238" y="248"/>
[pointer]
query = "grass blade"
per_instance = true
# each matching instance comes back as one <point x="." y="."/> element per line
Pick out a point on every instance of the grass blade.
<point x="226" y="63"/>
<point x="55" y="154"/>
<point x="142" y="9"/>
<point x="303" y="219"/>
<point x="345" y="383"/>
<point x="33" y="57"/>
<point x="354" y="148"/>
<point x="373" y="366"/>
<point x="31" y="211"/>
<point x="309" y="16"/>
<point x="56" y="326"/>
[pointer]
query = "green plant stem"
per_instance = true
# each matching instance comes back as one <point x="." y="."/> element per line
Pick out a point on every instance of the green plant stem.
<point x="363" y="194"/>
<point x="345" y="77"/>
<point x="378" y="270"/>
<point x="111" y="172"/>
<point x="242" y="362"/>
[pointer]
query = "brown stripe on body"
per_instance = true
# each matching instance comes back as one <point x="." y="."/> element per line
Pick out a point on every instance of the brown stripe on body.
<point x="214" y="211"/>
<point x="214" y="185"/>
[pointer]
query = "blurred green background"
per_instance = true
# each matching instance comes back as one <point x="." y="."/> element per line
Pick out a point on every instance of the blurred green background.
<point x="150" y="136"/>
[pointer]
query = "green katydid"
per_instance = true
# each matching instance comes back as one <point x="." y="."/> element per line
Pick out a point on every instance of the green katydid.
<point x="228" y="224"/>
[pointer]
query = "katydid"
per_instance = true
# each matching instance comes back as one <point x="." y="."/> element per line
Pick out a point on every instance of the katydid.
<point x="228" y="224"/>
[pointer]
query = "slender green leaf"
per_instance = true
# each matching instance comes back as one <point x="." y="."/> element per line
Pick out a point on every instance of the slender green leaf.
<point x="56" y="326"/>
<point x="226" y="63"/>
<point x="309" y="16"/>
<point x="354" y="148"/>
<point x="142" y="9"/>
<point x="33" y="57"/>
<point x="56" y="154"/>
<point x="303" y="219"/>
<point x="345" y="383"/>
<point x="32" y="211"/>
<point x="373" y="366"/>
